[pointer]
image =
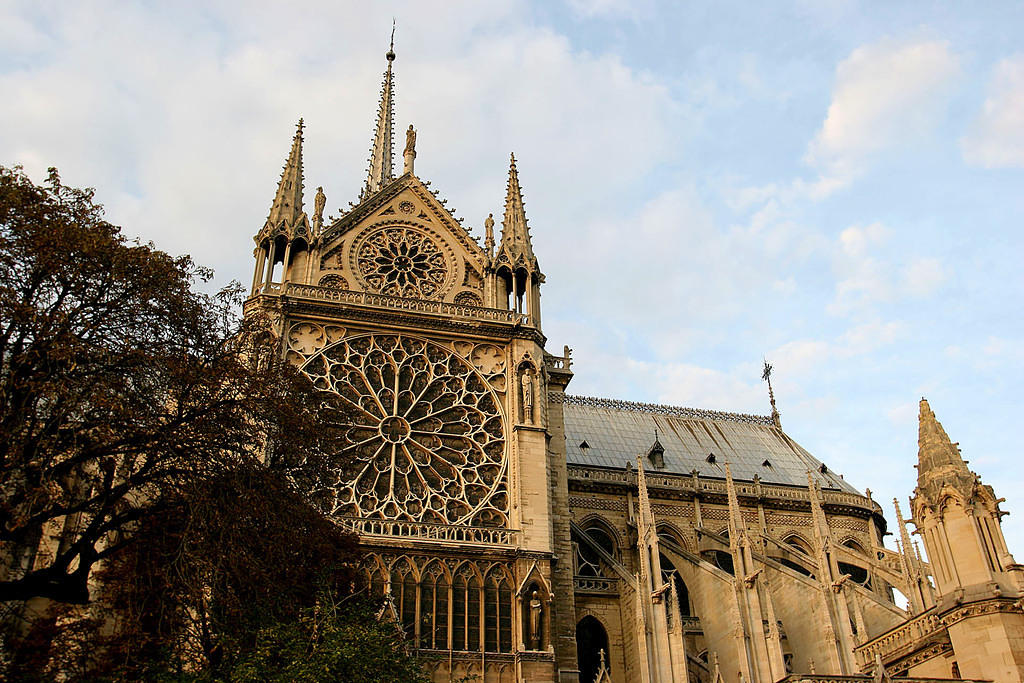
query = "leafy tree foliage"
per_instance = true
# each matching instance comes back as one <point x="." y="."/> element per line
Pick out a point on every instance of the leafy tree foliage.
<point x="119" y="383"/>
<point x="153" y="444"/>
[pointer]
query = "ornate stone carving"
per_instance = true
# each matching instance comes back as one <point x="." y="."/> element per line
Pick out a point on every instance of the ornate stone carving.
<point x="468" y="299"/>
<point x="334" y="282"/>
<point x="426" y="441"/>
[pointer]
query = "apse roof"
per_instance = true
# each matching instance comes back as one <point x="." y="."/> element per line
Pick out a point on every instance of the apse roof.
<point x="608" y="433"/>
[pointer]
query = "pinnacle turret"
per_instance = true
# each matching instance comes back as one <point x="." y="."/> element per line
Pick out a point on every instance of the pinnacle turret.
<point x="382" y="152"/>
<point x="939" y="461"/>
<point x="287" y="204"/>
<point x="515" y="233"/>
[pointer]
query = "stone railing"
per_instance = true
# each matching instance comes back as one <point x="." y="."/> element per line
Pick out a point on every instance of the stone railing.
<point x="596" y="584"/>
<point x="391" y="528"/>
<point x="682" y="482"/>
<point x="822" y="678"/>
<point x="300" y="291"/>
<point x="898" y="641"/>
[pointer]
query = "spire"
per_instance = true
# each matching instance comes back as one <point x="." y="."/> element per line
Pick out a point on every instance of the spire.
<point x="939" y="460"/>
<point x="767" y="377"/>
<point x="382" y="151"/>
<point x="736" y="528"/>
<point x="515" y="233"/>
<point x="287" y="204"/>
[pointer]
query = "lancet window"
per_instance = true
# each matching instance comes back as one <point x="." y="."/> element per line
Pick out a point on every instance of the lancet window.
<point x="469" y="610"/>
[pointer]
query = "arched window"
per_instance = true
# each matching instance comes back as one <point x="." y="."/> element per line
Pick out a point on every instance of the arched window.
<point x="466" y="611"/>
<point x="497" y="614"/>
<point x="591" y="639"/>
<point x="797" y="543"/>
<point x="375" y="581"/>
<point x="603" y="538"/>
<point x="670" y="573"/>
<point x="434" y="609"/>
<point x="403" y="592"/>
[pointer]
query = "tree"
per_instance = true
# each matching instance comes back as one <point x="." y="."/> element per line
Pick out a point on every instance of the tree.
<point x="120" y="386"/>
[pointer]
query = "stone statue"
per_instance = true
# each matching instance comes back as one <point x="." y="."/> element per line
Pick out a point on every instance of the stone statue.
<point x="489" y="234"/>
<point x="318" y="205"/>
<point x="535" y="613"/>
<point x="410" y="140"/>
<point x="527" y="396"/>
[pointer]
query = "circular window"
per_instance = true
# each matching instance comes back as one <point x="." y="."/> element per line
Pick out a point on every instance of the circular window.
<point x="402" y="261"/>
<point x="424" y="438"/>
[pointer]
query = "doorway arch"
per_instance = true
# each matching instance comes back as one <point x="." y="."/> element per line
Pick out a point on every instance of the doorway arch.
<point x="591" y="639"/>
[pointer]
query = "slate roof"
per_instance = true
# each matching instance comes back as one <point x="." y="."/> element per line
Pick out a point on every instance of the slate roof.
<point x="607" y="433"/>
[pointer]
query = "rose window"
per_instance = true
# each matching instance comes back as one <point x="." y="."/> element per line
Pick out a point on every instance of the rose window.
<point x="402" y="262"/>
<point x="424" y="440"/>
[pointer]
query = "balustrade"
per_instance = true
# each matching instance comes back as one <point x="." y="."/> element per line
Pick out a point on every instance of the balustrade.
<point x="900" y="640"/>
<point x="393" y="528"/>
<point x="301" y="291"/>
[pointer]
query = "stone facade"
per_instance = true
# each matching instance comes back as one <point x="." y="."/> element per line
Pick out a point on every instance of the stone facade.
<point x="519" y="533"/>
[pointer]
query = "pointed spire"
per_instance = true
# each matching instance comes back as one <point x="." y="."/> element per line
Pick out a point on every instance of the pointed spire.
<point x="382" y="152"/>
<point x="934" y="447"/>
<point x="735" y="515"/>
<point x="515" y="233"/>
<point x="939" y="460"/>
<point x="287" y="204"/>
<point x="766" y="375"/>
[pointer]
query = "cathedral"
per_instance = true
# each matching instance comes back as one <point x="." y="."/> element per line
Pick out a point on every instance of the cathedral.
<point x="519" y="533"/>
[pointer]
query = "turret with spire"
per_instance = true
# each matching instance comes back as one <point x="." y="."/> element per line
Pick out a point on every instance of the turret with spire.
<point x="977" y="582"/>
<point x="287" y="224"/>
<point x="957" y="515"/>
<point x="517" y="274"/>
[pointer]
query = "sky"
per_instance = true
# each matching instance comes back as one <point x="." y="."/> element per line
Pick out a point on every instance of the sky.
<point x="832" y="185"/>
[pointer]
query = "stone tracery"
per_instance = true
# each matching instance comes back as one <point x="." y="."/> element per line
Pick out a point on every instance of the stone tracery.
<point x="402" y="261"/>
<point x="425" y="440"/>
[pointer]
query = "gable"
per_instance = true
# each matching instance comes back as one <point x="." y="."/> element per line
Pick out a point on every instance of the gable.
<point x="403" y="242"/>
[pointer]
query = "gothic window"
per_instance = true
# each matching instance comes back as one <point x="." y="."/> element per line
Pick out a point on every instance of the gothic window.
<point x="376" y="582"/>
<point x="401" y="261"/>
<point x="591" y="641"/>
<point x="403" y="593"/>
<point x="497" y="614"/>
<point x="669" y="573"/>
<point x="587" y="561"/>
<point x="425" y="440"/>
<point x="434" y="609"/>
<point x="466" y="611"/>
<point x="798" y="543"/>
<point x="602" y="538"/>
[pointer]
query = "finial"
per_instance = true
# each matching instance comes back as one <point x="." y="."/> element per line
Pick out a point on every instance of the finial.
<point x="391" y="48"/>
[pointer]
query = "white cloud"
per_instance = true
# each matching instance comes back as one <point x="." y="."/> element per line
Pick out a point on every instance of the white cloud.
<point x="856" y="240"/>
<point x="884" y="94"/>
<point x="923" y="276"/>
<point x="865" y="277"/>
<point x="591" y="9"/>
<point x="184" y="140"/>
<point x="996" y="138"/>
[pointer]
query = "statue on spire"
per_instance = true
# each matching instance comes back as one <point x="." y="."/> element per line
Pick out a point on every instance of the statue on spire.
<point x="409" y="155"/>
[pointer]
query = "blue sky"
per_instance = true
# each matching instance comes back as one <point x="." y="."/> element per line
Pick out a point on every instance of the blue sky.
<point x="836" y="186"/>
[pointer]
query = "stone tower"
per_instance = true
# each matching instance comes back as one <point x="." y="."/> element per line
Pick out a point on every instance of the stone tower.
<point x="433" y="344"/>
<point x="978" y="583"/>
